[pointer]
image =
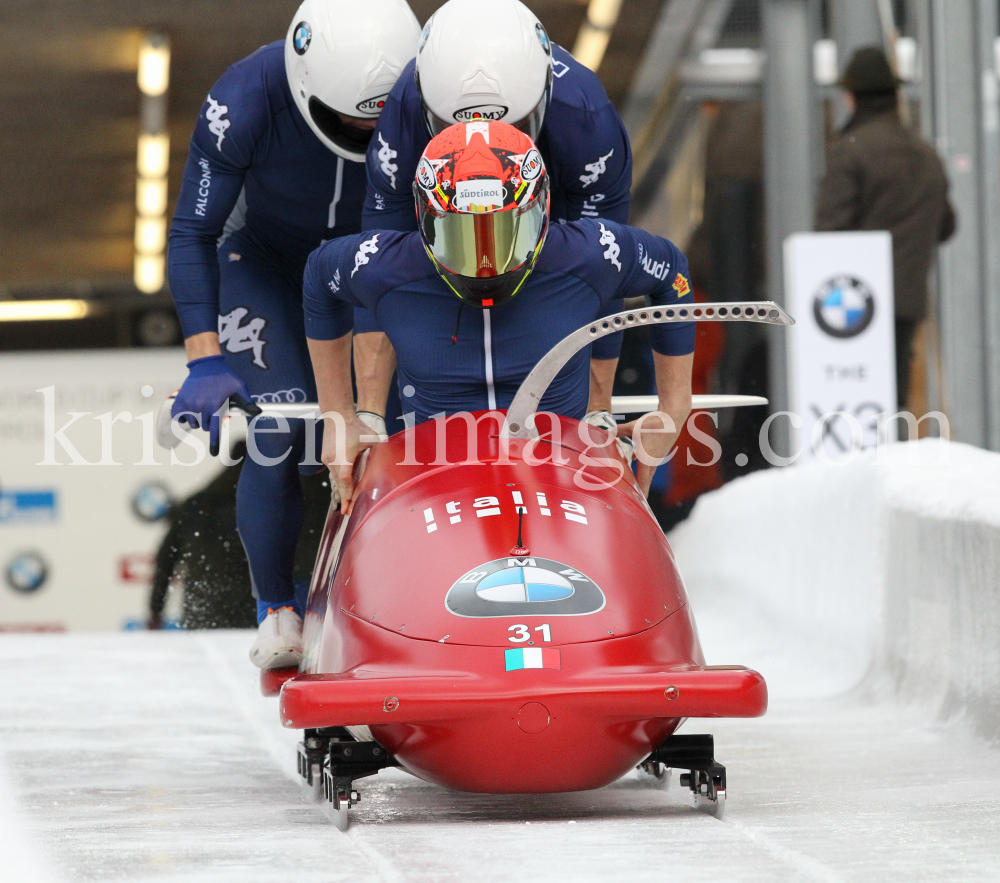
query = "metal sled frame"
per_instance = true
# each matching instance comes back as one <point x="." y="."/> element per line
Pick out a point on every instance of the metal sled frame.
<point x="529" y="396"/>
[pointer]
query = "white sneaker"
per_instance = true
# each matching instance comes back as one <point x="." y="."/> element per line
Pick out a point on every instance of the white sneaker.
<point x="279" y="640"/>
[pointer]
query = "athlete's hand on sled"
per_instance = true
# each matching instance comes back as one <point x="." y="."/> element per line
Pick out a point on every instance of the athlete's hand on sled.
<point x="208" y="386"/>
<point x="345" y="437"/>
<point x="653" y="435"/>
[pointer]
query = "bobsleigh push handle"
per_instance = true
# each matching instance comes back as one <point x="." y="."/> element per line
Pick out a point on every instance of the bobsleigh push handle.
<point x="251" y="409"/>
<point x="519" y="423"/>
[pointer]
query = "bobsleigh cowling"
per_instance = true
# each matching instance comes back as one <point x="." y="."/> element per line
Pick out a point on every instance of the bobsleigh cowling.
<point x="503" y="614"/>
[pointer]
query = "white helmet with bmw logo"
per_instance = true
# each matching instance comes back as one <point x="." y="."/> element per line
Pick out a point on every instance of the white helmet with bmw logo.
<point x="484" y="60"/>
<point x="342" y="57"/>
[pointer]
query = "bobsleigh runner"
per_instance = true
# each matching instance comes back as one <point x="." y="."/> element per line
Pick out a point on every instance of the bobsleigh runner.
<point x="508" y="625"/>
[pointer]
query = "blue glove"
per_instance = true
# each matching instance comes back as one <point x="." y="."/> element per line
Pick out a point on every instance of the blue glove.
<point x="208" y="386"/>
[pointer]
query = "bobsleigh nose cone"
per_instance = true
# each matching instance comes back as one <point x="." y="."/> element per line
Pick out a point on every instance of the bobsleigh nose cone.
<point x="533" y="718"/>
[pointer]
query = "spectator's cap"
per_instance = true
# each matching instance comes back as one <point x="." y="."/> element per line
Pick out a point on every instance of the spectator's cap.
<point x="868" y="71"/>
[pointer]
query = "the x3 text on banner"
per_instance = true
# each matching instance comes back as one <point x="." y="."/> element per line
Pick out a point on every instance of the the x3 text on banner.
<point x="841" y="351"/>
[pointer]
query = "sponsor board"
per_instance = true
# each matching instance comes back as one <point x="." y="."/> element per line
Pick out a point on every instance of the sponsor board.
<point x="841" y="351"/>
<point x="67" y="521"/>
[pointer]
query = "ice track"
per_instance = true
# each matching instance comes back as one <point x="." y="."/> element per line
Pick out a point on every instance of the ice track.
<point x="152" y="757"/>
<point x="867" y="596"/>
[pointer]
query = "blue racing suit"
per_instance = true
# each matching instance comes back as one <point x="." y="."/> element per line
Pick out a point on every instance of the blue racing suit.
<point x="583" y="266"/>
<point x="583" y="142"/>
<point x="260" y="192"/>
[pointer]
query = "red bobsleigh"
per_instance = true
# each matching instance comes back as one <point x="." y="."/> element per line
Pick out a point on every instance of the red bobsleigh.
<point x="501" y="612"/>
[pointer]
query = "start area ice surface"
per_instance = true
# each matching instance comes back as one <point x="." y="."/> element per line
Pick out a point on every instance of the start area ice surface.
<point x="152" y="756"/>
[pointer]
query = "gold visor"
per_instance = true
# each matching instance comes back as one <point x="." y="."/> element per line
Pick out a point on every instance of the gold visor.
<point x="485" y="244"/>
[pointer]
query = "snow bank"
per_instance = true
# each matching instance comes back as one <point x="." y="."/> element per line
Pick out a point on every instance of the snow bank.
<point x="822" y="575"/>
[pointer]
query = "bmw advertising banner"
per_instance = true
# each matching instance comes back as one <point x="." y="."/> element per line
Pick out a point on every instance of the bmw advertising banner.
<point x="841" y="351"/>
<point x="85" y="492"/>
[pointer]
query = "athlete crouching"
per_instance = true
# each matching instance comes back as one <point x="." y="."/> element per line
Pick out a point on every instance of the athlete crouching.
<point x="484" y="241"/>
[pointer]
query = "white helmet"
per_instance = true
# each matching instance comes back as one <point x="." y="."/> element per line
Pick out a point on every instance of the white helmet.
<point x="343" y="57"/>
<point x="484" y="60"/>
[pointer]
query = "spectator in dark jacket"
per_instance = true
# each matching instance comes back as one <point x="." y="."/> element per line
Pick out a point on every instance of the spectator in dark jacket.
<point x="882" y="176"/>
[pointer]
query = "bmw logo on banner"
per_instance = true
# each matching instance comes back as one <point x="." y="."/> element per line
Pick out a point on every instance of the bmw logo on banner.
<point x="844" y="307"/>
<point x="524" y="587"/>
<point x="27" y="572"/>
<point x="152" y="502"/>
<point x="841" y="353"/>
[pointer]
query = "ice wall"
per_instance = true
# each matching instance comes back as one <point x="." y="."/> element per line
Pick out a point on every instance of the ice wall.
<point x="871" y="575"/>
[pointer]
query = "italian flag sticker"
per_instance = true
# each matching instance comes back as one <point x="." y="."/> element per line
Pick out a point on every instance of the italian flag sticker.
<point x="532" y="657"/>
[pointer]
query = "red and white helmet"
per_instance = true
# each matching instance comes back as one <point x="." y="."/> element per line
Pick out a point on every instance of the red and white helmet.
<point x="482" y="196"/>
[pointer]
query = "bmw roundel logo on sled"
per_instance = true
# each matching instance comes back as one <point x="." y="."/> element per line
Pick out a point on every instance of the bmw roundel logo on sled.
<point x="844" y="307"/>
<point x="524" y="587"/>
<point x="302" y="37"/>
